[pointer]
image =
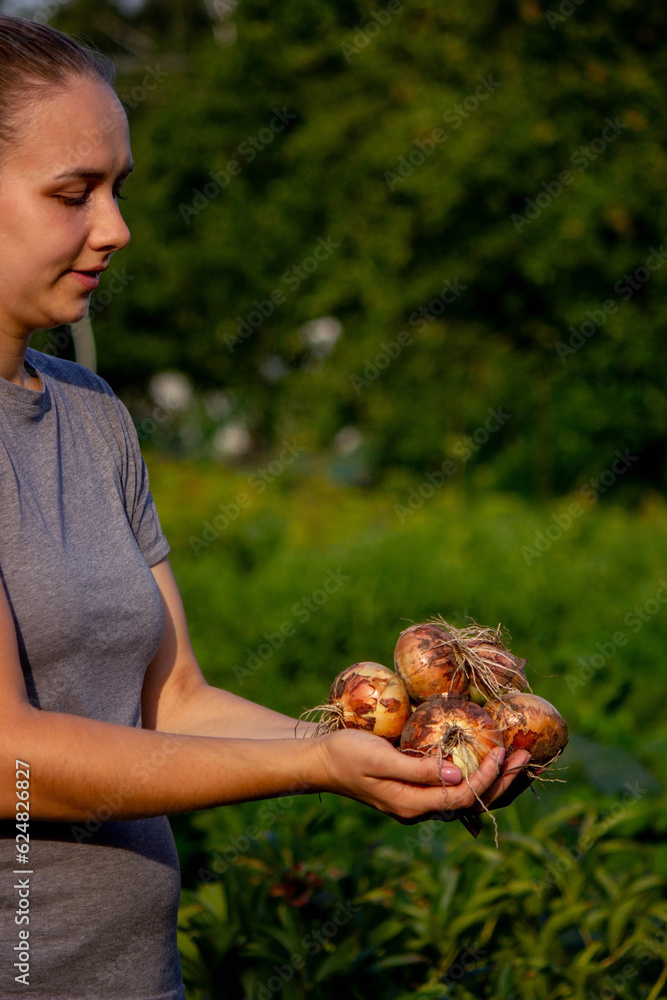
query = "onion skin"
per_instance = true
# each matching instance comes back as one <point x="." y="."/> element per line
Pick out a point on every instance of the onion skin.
<point x="371" y="697"/>
<point x="426" y="661"/>
<point x="507" y="668"/>
<point x="463" y="732"/>
<point x="530" y="723"/>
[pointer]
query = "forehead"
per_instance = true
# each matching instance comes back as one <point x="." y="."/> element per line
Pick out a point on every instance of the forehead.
<point x="82" y="124"/>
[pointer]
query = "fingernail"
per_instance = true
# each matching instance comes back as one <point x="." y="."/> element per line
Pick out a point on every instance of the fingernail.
<point x="451" y="775"/>
<point x="500" y="754"/>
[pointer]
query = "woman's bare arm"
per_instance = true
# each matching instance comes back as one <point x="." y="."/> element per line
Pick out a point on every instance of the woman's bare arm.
<point x="177" y="698"/>
<point x="81" y="768"/>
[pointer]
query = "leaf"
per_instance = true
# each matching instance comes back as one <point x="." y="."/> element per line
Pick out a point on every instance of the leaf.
<point x="343" y="956"/>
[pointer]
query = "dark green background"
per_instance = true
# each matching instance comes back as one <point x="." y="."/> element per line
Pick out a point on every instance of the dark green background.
<point x="536" y="523"/>
<point x="359" y="112"/>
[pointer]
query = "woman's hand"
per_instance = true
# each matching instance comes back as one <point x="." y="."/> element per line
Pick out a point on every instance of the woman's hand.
<point x="504" y="792"/>
<point x="410" y="789"/>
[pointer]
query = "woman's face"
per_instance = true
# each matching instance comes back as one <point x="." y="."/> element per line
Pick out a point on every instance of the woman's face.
<point x="59" y="214"/>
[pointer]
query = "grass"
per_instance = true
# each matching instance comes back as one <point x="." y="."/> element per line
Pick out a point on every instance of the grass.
<point x="310" y="577"/>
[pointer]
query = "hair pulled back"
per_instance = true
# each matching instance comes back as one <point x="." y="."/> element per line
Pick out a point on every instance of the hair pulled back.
<point x="37" y="60"/>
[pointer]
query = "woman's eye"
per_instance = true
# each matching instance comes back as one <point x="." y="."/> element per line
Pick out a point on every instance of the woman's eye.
<point x="72" y="201"/>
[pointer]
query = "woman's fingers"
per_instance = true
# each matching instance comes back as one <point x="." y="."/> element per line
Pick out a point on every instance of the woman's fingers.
<point x="410" y="789"/>
<point x="419" y="803"/>
<point x="463" y="797"/>
<point x="511" y="773"/>
<point x="513" y="780"/>
<point x="494" y="790"/>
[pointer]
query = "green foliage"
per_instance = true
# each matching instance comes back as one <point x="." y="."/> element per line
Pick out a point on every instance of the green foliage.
<point x="321" y="904"/>
<point x="458" y="555"/>
<point x="572" y="903"/>
<point x="575" y="893"/>
<point x="366" y="102"/>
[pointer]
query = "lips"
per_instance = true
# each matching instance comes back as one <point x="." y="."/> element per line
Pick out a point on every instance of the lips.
<point x="89" y="279"/>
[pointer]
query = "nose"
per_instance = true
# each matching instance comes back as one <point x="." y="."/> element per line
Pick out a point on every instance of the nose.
<point x="109" y="231"/>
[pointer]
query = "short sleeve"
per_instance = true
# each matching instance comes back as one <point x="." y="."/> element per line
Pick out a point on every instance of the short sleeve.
<point x="139" y="504"/>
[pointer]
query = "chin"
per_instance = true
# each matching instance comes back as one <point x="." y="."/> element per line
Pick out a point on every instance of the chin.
<point x="68" y="314"/>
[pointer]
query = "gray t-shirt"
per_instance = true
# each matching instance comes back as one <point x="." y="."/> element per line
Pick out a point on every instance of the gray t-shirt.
<point x="79" y="532"/>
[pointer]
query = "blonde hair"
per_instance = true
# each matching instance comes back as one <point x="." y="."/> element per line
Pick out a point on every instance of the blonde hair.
<point x="35" y="60"/>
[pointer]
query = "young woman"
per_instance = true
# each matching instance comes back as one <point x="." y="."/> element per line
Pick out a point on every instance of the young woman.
<point x="106" y="721"/>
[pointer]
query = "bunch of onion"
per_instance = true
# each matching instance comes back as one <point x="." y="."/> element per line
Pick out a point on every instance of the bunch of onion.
<point x="437" y="658"/>
<point x="365" y="696"/>
<point x="527" y="722"/>
<point x="455" y="729"/>
<point x="531" y="723"/>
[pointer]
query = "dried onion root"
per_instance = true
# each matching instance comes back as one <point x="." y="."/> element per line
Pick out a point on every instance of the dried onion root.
<point x="453" y="729"/>
<point x="487" y="663"/>
<point x="366" y="696"/>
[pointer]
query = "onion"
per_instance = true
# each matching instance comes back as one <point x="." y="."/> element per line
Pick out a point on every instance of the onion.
<point x="488" y="664"/>
<point x="507" y="670"/>
<point x="366" y="696"/>
<point x="437" y="658"/>
<point x="530" y="723"/>
<point x="455" y="729"/>
<point x="429" y="660"/>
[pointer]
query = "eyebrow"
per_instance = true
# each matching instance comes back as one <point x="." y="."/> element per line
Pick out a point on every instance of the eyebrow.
<point x="90" y="173"/>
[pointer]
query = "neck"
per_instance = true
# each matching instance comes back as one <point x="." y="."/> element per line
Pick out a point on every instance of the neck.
<point x="12" y="360"/>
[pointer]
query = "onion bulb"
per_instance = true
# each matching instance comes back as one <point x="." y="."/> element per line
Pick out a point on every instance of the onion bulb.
<point x="437" y="658"/>
<point x="454" y="729"/>
<point x="500" y="670"/>
<point x="530" y="723"/>
<point x="430" y="661"/>
<point x="365" y="696"/>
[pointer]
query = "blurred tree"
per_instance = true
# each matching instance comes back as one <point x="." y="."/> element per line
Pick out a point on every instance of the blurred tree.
<point x="461" y="189"/>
